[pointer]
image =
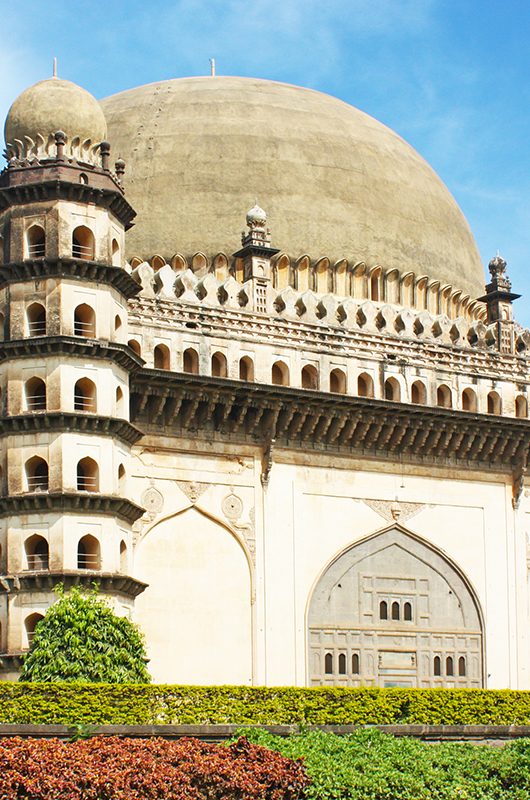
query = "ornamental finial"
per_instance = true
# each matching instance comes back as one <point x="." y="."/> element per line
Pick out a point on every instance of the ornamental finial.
<point x="499" y="276"/>
<point x="258" y="233"/>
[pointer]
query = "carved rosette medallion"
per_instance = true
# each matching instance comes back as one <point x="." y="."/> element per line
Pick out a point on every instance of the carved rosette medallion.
<point x="232" y="507"/>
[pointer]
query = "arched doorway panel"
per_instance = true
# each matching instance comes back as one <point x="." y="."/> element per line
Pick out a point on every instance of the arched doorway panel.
<point x="196" y="613"/>
<point x="389" y="611"/>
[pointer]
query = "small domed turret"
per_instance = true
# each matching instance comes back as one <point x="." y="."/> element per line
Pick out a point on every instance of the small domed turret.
<point x="52" y="105"/>
<point x="256" y="217"/>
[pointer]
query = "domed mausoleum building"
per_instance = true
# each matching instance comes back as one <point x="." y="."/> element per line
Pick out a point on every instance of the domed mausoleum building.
<point x="293" y="455"/>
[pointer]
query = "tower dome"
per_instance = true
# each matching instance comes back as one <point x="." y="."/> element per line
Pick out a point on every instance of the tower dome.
<point x="335" y="182"/>
<point x="52" y="105"/>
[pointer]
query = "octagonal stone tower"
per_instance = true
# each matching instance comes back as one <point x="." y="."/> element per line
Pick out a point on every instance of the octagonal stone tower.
<point x="65" y="514"/>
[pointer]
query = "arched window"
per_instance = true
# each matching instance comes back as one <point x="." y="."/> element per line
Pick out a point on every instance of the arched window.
<point x="469" y="400"/>
<point x="219" y="365"/>
<point x="309" y="377"/>
<point x="355" y="665"/>
<point x="37" y="553"/>
<point x="395" y="610"/>
<point x="437" y="665"/>
<point x="87" y="475"/>
<point x="417" y="393"/>
<point x="35" y="394"/>
<point x="161" y="356"/>
<point x="36" y="242"/>
<point x="117" y="323"/>
<point x="115" y="252"/>
<point x="392" y="390"/>
<point x="407" y="612"/>
<point x="449" y="668"/>
<point x="85" y="321"/>
<point x="494" y="403"/>
<point x="83" y="243"/>
<point x="342" y="664"/>
<point x="37" y="474"/>
<point x="337" y="381"/>
<point x="135" y="347"/>
<point x="123" y="557"/>
<point x="119" y="400"/>
<point x="462" y="667"/>
<point x="365" y="385"/>
<point x="280" y="374"/>
<point x="121" y="478"/>
<point x="383" y="610"/>
<point x="85" y="395"/>
<point x="30" y="624"/>
<point x="88" y="553"/>
<point x="521" y="406"/>
<point x="190" y="361"/>
<point x="443" y="396"/>
<point x="36" y="319"/>
<point x="246" y="369"/>
<point x="375" y="285"/>
<point x="328" y="664"/>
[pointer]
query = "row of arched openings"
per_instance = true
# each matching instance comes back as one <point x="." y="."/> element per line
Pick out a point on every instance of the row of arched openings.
<point x="83" y="244"/>
<point x="280" y="376"/>
<point x="87" y="475"/>
<point x="85" y="395"/>
<point x="342" y="664"/>
<point x="397" y="610"/>
<point x="449" y="666"/>
<point x="88" y="553"/>
<point x="84" y="320"/>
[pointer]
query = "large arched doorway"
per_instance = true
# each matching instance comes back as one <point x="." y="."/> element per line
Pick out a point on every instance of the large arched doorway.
<point x="394" y="611"/>
<point x="196" y="611"/>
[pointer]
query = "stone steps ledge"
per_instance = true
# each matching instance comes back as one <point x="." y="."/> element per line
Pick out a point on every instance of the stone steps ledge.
<point x="212" y="733"/>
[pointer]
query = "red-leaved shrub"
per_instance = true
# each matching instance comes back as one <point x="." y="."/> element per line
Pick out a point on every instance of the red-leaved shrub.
<point x="110" y="768"/>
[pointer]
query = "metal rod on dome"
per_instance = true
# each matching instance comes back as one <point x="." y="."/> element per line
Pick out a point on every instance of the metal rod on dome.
<point x="55" y="66"/>
<point x="212" y="67"/>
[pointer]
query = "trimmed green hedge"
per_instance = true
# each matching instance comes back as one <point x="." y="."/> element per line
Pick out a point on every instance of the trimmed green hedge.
<point x="134" y="704"/>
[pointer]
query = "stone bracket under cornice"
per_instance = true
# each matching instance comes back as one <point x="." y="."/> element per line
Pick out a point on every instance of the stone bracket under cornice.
<point x="34" y="188"/>
<point x="71" y="345"/>
<point x="70" y="502"/>
<point x="78" y="269"/>
<point x="60" y="421"/>
<point x="47" y="580"/>
<point x="227" y="410"/>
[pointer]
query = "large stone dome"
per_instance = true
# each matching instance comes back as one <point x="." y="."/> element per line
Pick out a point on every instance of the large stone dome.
<point x="334" y="181"/>
<point x="55" y="105"/>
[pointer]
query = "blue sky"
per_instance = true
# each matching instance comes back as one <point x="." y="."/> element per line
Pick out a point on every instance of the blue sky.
<point x="453" y="78"/>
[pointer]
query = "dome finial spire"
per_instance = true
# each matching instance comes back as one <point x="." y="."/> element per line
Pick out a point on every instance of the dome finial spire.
<point x="54" y="75"/>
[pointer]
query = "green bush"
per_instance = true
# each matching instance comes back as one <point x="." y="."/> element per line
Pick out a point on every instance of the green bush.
<point x="146" y="704"/>
<point x="81" y="639"/>
<point x="370" y="765"/>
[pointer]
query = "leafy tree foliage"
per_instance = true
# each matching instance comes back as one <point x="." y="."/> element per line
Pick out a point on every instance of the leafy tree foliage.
<point x="81" y="639"/>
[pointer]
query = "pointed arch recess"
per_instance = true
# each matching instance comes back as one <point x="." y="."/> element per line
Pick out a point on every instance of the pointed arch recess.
<point x="208" y="576"/>
<point x="326" y="619"/>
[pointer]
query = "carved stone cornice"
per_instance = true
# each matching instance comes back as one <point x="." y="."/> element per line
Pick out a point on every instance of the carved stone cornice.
<point x="44" y="182"/>
<point x="227" y="410"/>
<point x="46" y="580"/>
<point x="70" y="502"/>
<point x="71" y="345"/>
<point x="63" y="421"/>
<point x="78" y="269"/>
